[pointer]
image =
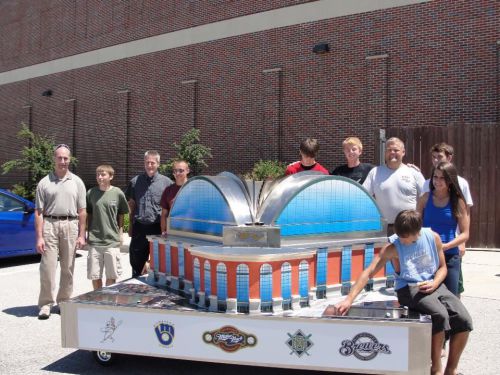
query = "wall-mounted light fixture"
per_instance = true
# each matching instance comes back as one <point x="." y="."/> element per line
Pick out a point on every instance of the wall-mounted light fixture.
<point x="47" y="92"/>
<point x="321" y="48"/>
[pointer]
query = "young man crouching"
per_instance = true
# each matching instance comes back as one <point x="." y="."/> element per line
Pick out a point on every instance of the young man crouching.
<point x="419" y="285"/>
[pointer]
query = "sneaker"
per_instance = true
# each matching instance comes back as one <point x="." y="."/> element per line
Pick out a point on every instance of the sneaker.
<point x="44" y="312"/>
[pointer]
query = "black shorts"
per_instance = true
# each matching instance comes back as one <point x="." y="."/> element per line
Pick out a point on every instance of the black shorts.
<point x="447" y="312"/>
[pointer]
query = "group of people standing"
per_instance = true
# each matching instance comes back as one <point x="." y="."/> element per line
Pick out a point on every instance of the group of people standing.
<point x="427" y="261"/>
<point x="67" y="217"/>
<point x="427" y="227"/>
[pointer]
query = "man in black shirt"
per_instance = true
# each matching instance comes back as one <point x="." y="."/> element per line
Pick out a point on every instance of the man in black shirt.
<point x="144" y="193"/>
<point x="354" y="169"/>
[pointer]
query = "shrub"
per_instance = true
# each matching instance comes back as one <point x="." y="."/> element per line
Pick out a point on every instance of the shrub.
<point x="265" y="169"/>
<point x="36" y="159"/>
<point x="191" y="150"/>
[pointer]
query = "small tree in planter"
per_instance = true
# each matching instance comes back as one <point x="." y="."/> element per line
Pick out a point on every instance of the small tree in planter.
<point x="191" y="150"/>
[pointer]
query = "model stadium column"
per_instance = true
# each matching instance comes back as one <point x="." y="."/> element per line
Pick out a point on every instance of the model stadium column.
<point x="271" y="147"/>
<point x="377" y="91"/>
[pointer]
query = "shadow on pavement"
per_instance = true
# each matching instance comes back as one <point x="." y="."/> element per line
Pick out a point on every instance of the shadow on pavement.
<point x="22" y="311"/>
<point x="83" y="362"/>
<point x="18" y="261"/>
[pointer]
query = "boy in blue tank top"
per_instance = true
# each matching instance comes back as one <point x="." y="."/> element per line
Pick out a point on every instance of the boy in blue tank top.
<point x="419" y="285"/>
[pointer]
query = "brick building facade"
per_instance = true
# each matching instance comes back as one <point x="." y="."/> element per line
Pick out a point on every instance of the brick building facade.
<point x="131" y="76"/>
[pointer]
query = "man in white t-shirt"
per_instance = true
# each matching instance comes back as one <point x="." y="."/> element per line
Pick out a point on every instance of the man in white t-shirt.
<point x="444" y="152"/>
<point x="395" y="186"/>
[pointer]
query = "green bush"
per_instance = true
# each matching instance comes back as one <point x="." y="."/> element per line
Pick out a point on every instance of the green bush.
<point x="265" y="169"/>
<point x="191" y="150"/>
<point x="36" y="159"/>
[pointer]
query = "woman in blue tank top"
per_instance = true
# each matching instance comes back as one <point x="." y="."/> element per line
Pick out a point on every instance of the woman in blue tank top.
<point x="443" y="209"/>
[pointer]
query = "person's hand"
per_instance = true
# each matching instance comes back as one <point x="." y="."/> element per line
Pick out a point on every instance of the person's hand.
<point x="445" y="246"/>
<point x="427" y="287"/>
<point x="80" y="242"/>
<point x="40" y="246"/>
<point x="461" y="250"/>
<point x="343" y="307"/>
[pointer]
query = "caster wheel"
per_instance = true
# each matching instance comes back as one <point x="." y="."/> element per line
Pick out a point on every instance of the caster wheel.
<point x="104" y="358"/>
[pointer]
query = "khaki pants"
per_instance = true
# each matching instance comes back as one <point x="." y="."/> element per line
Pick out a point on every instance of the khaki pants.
<point x="60" y="242"/>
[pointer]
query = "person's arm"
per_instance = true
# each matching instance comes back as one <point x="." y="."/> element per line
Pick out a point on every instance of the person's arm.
<point x="422" y="201"/>
<point x="387" y="253"/>
<point x="463" y="226"/>
<point x="82" y="222"/>
<point x="89" y="222"/>
<point x="40" y="242"/>
<point x="163" y="220"/>
<point x="119" y="220"/>
<point x="430" y="286"/>
<point x="131" y="206"/>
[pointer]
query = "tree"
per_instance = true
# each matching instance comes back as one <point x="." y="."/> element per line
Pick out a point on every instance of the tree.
<point x="36" y="158"/>
<point x="191" y="150"/>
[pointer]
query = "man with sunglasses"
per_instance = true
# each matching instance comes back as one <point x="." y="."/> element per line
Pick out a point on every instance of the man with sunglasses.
<point x="180" y="171"/>
<point x="60" y="218"/>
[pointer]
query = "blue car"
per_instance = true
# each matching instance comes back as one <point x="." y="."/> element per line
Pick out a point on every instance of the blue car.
<point x="17" y="225"/>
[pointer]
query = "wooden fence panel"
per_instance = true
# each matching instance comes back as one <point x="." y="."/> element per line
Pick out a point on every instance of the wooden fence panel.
<point x="477" y="160"/>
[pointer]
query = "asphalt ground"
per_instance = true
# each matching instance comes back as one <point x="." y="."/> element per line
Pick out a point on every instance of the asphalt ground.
<point x="32" y="346"/>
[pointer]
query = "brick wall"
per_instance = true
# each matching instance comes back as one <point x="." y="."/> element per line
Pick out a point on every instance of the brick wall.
<point x="256" y="95"/>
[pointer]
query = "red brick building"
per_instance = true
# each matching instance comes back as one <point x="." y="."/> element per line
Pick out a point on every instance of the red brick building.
<point x="129" y="76"/>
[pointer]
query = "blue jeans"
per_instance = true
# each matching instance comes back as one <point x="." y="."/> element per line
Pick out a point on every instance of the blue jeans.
<point x="453" y="263"/>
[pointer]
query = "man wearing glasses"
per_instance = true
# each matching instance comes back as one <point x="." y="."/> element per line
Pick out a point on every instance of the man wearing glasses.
<point x="180" y="171"/>
<point x="60" y="218"/>
<point x="144" y="193"/>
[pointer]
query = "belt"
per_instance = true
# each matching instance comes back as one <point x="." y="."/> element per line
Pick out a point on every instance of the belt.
<point x="55" y="217"/>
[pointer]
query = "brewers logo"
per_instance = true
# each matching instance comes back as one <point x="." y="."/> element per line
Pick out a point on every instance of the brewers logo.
<point x="165" y="333"/>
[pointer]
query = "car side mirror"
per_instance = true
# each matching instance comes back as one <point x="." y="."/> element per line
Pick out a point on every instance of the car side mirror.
<point x="28" y="209"/>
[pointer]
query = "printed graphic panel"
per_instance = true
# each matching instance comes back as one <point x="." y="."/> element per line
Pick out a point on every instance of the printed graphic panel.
<point x="307" y="344"/>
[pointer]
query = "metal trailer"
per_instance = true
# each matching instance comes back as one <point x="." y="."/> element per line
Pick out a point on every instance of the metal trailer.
<point x="249" y="275"/>
<point x="133" y="317"/>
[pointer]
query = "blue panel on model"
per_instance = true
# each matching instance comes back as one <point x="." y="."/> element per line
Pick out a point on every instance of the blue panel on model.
<point x="208" y="279"/>
<point x="221" y="282"/>
<point x="242" y="283"/>
<point x="329" y="206"/>
<point x="180" y="257"/>
<point x="168" y="257"/>
<point x="266" y="283"/>
<point x="304" y="279"/>
<point x="156" y="255"/>
<point x="321" y="264"/>
<point x="346" y="264"/>
<point x="201" y="208"/>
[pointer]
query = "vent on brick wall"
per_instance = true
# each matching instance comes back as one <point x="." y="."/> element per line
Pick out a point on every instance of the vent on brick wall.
<point x="321" y="48"/>
<point x="47" y="92"/>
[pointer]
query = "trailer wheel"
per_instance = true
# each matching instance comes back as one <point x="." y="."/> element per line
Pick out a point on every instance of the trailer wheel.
<point x="104" y="358"/>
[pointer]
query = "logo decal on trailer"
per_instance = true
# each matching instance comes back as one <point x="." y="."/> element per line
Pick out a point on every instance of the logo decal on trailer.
<point x="229" y="338"/>
<point x="109" y="329"/>
<point x="364" y="346"/>
<point x="299" y="342"/>
<point x="165" y="333"/>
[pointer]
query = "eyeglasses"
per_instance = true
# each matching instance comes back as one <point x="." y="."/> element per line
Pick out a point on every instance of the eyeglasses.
<point x="62" y="145"/>
<point x="178" y="170"/>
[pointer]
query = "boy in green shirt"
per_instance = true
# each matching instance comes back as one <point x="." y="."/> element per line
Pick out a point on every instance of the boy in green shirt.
<point x="106" y="205"/>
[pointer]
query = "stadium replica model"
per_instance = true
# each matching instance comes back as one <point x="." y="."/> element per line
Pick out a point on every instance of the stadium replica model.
<point x="249" y="274"/>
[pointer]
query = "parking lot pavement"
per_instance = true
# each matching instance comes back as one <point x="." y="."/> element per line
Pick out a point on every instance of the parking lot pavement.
<point x="32" y="346"/>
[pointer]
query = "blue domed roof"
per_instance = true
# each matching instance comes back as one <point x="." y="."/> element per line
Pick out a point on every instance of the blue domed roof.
<point x="313" y="204"/>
